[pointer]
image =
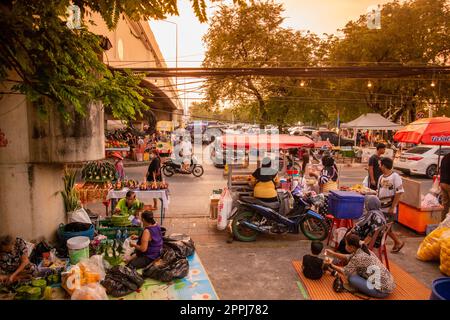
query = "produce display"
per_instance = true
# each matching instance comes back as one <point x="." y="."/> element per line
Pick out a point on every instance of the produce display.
<point x="359" y="188"/>
<point x="112" y="251"/>
<point x="430" y="248"/>
<point x="143" y="186"/>
<point x="91" y="191"/>
<point x="98" y="171"/>
<point x="116" y="144"/>
<point x="118" y="220"/>
<point x="241" y="178"/>
<point x="34" y="290"/>
<point x="445" y="257"/>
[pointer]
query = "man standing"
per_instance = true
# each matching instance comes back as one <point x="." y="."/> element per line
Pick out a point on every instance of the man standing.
<point x="374" y="166"/>
<point x="445" y="184"/>
<point x="390" y="189"/>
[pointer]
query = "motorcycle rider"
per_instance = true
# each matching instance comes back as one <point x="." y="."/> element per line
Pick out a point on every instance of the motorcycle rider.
<point x="265" y="181"/>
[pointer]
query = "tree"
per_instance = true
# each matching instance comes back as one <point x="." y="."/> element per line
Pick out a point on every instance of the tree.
<point x="252" y="36"/>
<point x="412" y="33"/>
<point x="63" y="67"/>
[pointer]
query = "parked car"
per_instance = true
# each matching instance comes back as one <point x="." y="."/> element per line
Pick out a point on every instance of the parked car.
<point x="420" y="160"/>
<point x="333" y="137"/>
<point x="219" y="154"/>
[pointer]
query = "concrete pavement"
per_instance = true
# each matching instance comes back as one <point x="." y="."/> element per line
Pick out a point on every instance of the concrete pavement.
<point x="261" y="269"/>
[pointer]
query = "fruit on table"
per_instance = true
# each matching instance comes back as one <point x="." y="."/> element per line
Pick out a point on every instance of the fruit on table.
<point x="98" y="171"/>
<point x="143" y="186"/>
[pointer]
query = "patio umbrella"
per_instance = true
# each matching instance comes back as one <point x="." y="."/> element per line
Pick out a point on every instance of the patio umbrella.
<point x="431" y="131"/>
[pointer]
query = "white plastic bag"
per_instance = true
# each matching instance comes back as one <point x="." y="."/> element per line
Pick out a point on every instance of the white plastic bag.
<point x="429" y="201"/>
<point x="91" y="291"/>
<point x="95" y="264"/>
<point x="225" y="206"/>
<point x="127" y="249"/>
<point x="366" y="182"/>
<point x="338" y="235"/>
<point x="79" y="215"/>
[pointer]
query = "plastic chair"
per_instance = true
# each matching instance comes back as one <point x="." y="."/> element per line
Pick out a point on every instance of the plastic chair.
<point x="337" y="223"/>
<point x="381" y="251"/>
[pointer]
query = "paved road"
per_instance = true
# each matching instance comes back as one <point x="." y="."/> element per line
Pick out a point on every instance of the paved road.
<point x="261" y="269"/>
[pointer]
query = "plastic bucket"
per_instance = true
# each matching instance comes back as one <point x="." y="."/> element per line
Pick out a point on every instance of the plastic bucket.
<point x="78" y="249"/>
<point x="440" y="289"/>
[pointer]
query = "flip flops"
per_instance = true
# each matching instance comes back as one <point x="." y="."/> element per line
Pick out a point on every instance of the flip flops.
<point x="397" y="249"/>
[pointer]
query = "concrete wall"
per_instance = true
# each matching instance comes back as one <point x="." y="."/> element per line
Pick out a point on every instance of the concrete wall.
<point x="54" y="141"/>
<point x="30" y="204"/>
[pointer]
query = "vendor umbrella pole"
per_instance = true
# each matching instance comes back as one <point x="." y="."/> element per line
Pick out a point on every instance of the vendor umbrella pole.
<point x="439" y="161"/>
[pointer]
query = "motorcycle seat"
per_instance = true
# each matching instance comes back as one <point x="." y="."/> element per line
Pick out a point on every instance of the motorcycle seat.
<point x="271" y="205"/>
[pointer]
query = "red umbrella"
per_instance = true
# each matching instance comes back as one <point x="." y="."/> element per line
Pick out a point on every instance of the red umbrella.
<point x="432" y="131"/>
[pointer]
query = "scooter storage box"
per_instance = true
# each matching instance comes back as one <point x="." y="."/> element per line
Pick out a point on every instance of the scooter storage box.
<point x="346" y="204"/>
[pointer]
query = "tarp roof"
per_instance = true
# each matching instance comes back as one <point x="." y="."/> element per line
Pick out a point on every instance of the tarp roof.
<point x="264" y="141"/>
<point x="371" y="121"/>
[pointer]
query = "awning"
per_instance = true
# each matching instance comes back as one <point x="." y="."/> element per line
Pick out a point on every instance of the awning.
<point x="266" y="142"/>
<point x="371" y="121"/>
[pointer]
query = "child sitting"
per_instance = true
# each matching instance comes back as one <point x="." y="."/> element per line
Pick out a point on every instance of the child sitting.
<point x="314" y="266"/>
<point x="149" y="245"/>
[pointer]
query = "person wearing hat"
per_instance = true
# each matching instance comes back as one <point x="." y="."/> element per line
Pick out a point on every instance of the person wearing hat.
<point x="265" y="181"/>
<point x="118" y="164"/>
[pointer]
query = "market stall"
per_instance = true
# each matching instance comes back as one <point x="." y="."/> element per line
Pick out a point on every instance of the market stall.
<point x="371" y="122"/>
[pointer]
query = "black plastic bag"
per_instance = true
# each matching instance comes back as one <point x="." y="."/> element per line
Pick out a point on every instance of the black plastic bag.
<point x="182" y="244"/>
<point x="121" y="281"/>
<point x="168" y="267"/>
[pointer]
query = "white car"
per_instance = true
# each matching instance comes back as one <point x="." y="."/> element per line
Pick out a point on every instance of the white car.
<point x="420" y="160"/>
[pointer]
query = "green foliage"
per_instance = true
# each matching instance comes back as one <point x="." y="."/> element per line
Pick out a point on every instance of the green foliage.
<point x="70" y="195"/>
<point x="65" y="65"/>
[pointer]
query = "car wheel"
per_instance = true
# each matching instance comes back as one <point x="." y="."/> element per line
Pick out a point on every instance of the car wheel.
<point x="431" y="171"/>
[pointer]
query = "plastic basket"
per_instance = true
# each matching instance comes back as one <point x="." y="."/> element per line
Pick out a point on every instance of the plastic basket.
<point x="346" y="204"/>
<point x="440" y="289"/>
<point x="63" y="235"/>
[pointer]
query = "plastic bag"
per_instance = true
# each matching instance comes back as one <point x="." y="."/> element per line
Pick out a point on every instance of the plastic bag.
<point x="429" y="201"/>
<point x="121" y="281"/>
<point x="168" y="267"/>
<point x="91" y="291"/>
<point x="430" y="247"/>
<point x="338" y="235"/>
<point x="127" y="249"/>
<point x="93" y="269"/>
<point x="79" y="215"/>
<point x="225" y="206"/>
<point x="182" y="244"/>
<point x="71" y="280"/>
<point x="445" y="253"/>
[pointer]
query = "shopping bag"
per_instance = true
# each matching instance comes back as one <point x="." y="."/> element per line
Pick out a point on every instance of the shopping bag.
<point x="79" y="215"/>
<point x="225" y="206"/>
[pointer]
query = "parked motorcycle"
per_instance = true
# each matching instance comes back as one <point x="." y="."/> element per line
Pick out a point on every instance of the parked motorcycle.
<point x="254" y="216"/>
<point x="169" y="168"/>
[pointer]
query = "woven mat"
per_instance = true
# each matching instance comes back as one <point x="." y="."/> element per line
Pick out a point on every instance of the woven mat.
<point x="407" y="287"/>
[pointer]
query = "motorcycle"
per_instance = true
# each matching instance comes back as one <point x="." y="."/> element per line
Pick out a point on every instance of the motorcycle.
<point x="254" y="216"/>
<point x="169" y="168"/>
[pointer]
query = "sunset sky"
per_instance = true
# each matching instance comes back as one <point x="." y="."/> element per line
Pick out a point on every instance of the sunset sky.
<point x="318" y="16"/>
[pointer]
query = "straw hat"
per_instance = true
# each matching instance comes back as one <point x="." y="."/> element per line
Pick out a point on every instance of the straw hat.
<point x="117" y="155"/>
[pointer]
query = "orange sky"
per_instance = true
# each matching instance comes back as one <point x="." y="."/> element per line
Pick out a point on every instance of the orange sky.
<point x="319" y="16"/>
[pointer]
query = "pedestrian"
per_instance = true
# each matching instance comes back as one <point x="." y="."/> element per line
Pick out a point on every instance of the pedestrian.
<point x="120" y="171"/>
<point x="445" y="184"/>
<point x="390" y="189"/>
<point x="304" y="156"/>
<point x="154" y="172"/>
<point x="374" y="166"/>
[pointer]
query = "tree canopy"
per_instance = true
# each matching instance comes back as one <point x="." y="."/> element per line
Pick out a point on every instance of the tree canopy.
<point x="414" y="33"/>
<point x="64" y="66"/>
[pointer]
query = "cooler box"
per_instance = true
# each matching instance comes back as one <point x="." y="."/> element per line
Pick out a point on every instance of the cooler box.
<point x="418" y="219"/>
<point x="346" y="204"/>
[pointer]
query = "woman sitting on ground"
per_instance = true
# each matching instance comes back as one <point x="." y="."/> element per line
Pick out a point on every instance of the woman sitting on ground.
<point x="265" y="181"/>
<point x="14" y="263"/>
<point x="149" y="245"/>
<point x="364" y="271"/>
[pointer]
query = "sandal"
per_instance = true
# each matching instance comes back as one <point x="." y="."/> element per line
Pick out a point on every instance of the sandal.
<point x="397" y="249"/>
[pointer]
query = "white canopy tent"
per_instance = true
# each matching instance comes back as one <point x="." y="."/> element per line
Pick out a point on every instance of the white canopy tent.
<point x="371" y="121"/>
